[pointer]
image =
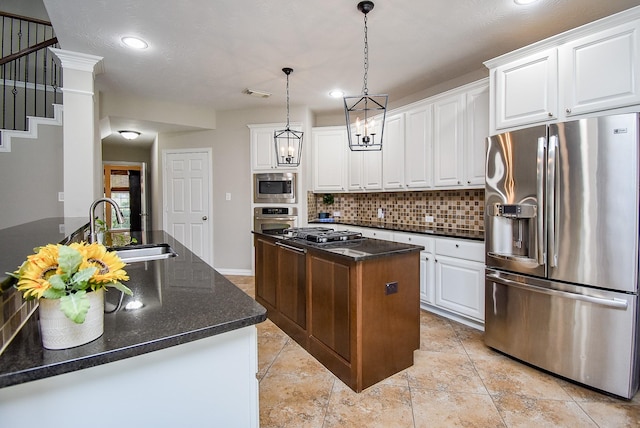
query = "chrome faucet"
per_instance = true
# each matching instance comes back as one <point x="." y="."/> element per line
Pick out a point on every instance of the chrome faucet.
<point x="93" y="236"/>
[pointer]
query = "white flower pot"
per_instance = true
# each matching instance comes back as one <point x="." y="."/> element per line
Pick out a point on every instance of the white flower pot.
<point x="59" y="332"/>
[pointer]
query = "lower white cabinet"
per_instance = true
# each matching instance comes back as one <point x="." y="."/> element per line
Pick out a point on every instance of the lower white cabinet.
<point x="451" y="276"/>
<point x="427" y="278"/>
<point x="459" y="286"/>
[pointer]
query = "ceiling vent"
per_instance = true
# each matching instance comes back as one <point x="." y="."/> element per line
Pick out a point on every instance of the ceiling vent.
<point x="257" y="93"/>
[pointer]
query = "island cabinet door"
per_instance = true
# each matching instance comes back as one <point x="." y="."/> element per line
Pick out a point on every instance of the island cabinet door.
<point x="291" y="292"/>
<point x="330" y="317"/>
<point x="266" y="273"/>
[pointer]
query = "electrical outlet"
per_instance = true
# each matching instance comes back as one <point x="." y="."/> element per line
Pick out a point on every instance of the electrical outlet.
<point x="429" y="219"/>
<point x="391" y="288"/>
<point x="60" y="196"/>
<point x="380" y="213"/>
<point x="227" y="196"/>
<point x="337" y="214"/>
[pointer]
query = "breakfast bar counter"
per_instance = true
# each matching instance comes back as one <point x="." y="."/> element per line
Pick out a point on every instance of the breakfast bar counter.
<point x="184" y="334"/>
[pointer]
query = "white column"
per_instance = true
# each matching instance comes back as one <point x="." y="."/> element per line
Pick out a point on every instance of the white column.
<point x="82" y="155"/>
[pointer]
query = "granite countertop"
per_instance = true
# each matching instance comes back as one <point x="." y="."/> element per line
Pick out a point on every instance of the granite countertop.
<point x="356" y="250"/>
<point x="184" y="300"/>
<point x="432" y="231"/>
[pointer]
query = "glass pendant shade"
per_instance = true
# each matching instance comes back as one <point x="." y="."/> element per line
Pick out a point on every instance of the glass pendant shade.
<point x="365" y="114"/>
<point x="288" y="142"/>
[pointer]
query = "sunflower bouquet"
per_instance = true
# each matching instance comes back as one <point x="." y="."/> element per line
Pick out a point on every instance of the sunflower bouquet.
<point x="68" y="272"/>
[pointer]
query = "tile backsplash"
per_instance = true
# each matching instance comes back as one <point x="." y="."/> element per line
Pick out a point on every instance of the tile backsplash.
<point x="451" y="209"/>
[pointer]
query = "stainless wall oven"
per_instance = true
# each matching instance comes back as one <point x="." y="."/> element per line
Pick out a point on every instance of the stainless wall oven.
<point x="275" y="188"/>
<point x="274" y="220"/>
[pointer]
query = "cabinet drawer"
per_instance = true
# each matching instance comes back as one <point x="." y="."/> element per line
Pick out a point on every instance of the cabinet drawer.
<point x="408" y="238"/>
<point x="460" y="249"/>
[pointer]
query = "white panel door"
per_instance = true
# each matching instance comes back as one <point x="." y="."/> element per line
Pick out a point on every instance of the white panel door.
<point x="330" y="159"/>
<point x="601" y="71"/>
<point x="460" y="286"/>
<point x="187" y="189"/>
<point x="448" y="128"/>
<point x="477" y="131"/>
<point x="418" y="160"/>
<point x="393" y="153"/>
<point x="527" y="90"/>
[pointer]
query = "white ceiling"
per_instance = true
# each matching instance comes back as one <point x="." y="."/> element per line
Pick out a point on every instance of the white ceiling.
<point x="207" y="52"/>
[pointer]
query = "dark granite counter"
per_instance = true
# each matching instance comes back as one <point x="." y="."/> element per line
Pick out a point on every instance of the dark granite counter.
<point x="393" y="227"/>
<point x="183" y="299"/>
<point x="356" y="250"/>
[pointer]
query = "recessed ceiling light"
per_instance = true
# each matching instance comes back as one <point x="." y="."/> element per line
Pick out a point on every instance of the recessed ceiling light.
<point x="134" y="42"/>
<point x="129" y="135"/>
<point x="523" y="2"/>
<point x="336" y="93"/>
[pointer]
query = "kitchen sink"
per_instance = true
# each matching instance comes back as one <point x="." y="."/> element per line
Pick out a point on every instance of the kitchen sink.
<point x="143" y="253"/>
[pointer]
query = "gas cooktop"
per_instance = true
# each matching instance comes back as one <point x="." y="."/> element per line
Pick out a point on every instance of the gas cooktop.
<point x="323" y="235"/>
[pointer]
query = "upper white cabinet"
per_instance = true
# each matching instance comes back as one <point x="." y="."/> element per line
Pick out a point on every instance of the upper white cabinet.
<point x="418" y="146"/>
<point x="601" y="71"/>
<point x="475" y="135"/>
<point x="590" y="69"/>
<point x="330" y="147"/>
<point x="439" y="141"/>
<point x="448" y="128"/>
<point x="393" y="152"/>
<point x="263" y="148"/>
<point x="365" y="170"/>
<point x="526" y="90"/>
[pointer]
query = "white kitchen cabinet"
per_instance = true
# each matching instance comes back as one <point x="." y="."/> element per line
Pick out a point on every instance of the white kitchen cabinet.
<point x="330" y="147"/>
<point x="476" y="132"/>
<point x="263" y="148"/>
<point x="393" y="153"/>
<point x="369" y="232"/>
<point x="459" y="283"/>
<point x="526" y="90"/>
<point x="427" y="278"/>
<point x="365" y="170"/>
<point x="601" y="71"/>
<point x="448" y="126"/>
<point x="589" y="69"/>
<point x="418" y="155"/>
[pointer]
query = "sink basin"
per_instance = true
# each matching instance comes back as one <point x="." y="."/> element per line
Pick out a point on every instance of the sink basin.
<point x="143" y="253"/>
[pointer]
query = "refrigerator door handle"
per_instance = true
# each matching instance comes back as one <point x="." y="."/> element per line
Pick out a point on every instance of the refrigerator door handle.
<point x="540" y="256"/>
<point x="552" y="203"/>
<point x="610" y="303"/>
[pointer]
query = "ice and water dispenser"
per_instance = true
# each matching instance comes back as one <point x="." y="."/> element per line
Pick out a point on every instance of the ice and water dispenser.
<point x="513" y="231"/>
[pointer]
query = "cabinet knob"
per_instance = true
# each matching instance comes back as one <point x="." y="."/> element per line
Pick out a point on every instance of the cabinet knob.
<point x="550" y="114"/>
<point x="468" y="181"/>
<point x="459" y="182"/>
<point x="568" y="110"/>
<point x="457" y="246"/>
<point x="204" y="217"/>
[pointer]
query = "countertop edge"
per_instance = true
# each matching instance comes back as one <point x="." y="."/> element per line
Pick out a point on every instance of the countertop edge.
<point x="42" y="372"/>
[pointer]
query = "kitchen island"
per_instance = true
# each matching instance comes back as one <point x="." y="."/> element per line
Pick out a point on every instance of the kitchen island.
<point x="354" y="306"/>
<point x="186" y="357"/>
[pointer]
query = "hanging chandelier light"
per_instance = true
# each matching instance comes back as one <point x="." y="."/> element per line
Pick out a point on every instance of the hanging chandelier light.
<point x="365" y="114"/>
<point x="288" y="142"/>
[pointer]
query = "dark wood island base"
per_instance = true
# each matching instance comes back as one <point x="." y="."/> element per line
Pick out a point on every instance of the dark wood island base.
<point x="356" y="308"/>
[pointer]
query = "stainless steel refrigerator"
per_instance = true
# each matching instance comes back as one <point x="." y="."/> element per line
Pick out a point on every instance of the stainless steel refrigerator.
<point x="561" y="236"/>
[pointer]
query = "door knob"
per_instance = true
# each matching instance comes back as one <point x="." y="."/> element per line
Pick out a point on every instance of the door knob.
<point x="204" y="217"/>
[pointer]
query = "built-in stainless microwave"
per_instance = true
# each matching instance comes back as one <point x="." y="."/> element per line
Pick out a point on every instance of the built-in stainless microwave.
<point x="276" y="187"/>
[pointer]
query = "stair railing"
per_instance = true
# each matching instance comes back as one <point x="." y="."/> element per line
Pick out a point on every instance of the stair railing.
<point x="29" y="77"/>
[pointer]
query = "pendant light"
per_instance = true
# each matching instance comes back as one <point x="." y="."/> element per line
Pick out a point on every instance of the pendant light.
<point x="288" y="142"/>
<point x="365" y="113"/>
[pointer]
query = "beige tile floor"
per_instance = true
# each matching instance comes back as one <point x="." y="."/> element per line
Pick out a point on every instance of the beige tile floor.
<point x="456" y="381"/>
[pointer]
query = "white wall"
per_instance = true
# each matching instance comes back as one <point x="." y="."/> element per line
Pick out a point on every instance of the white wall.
<point x="230" y="143"/>
<point x="31" y="177"/>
